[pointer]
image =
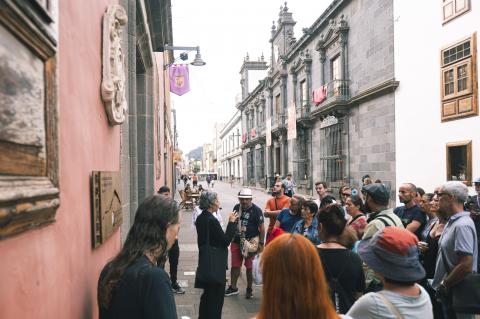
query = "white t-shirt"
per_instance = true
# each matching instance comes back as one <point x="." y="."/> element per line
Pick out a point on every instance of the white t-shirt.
<point x="372" y="306"/>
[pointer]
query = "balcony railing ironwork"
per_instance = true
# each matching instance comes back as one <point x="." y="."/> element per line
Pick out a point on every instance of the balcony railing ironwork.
<point x="278" y="121"/>
<point x="337" y="91"/>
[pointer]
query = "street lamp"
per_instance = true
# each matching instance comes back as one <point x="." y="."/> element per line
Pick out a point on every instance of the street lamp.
<point x="184" y="56"/>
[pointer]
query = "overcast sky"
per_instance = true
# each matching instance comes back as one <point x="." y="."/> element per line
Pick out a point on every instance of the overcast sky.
<point x="225" y="32"/>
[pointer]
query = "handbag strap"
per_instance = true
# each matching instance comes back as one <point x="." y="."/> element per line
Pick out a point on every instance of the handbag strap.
<point x="390" y="306"/>
<point x="208" y="230"/>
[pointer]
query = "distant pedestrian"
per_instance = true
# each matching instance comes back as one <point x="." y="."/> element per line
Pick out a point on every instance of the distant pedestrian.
<point x="323" y="198"/>
<point x="208" y="228"/>
<point x="289" y="185"/>
<point x="123" y="282"/>
<point x="232" y="180"/>
<point x="366" y="179"/>
<point x="185" y="180"/>
<point x="294" y="285"/>
<point x="209" y="179"/>
<point x="392" y="254"/>
<point x="194" y="180"/>
<point x="173" y="253"/>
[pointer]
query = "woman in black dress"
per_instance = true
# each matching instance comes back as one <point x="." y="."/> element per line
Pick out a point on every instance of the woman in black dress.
<point x="343" y="268"/>
<point x="131" y="285"/>
<point x="211" y="301"/>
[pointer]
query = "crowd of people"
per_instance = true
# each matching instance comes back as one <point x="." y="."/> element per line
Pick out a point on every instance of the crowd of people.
<point x="353" y="256"/>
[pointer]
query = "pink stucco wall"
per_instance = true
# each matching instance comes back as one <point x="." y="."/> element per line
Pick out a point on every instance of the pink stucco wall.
<point x="52" y="272"/>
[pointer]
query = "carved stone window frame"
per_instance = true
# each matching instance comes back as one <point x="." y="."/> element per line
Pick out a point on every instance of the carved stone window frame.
<point x="29" y="202"/>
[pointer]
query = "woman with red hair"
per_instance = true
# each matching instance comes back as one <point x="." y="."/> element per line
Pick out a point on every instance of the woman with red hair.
<point x="293" y="278"/>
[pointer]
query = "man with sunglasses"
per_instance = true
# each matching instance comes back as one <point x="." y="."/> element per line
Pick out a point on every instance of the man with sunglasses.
<point x="458" y="248"/>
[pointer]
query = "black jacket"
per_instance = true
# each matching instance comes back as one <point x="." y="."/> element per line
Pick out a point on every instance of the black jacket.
<point x="218" y="238"/>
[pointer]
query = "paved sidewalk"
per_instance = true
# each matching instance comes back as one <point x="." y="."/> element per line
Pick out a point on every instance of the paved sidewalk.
<point x="235" y="307"/>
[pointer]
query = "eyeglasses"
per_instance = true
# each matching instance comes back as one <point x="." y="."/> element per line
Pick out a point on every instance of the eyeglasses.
<point x="345" y="194"/>
<point x="439" y="194"/>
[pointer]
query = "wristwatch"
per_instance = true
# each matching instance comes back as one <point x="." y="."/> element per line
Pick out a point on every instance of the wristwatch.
<point x="443" y="286"/>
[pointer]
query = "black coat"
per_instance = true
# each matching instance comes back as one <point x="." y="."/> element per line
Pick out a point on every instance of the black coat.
<point x="218" y="238"/>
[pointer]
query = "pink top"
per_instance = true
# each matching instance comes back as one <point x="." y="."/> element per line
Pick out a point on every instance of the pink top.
<point x="359" y="223"/>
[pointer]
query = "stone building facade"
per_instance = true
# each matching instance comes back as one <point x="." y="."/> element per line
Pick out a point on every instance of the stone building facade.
<point x="346" y="57"/>
<point x="230" y="154"/>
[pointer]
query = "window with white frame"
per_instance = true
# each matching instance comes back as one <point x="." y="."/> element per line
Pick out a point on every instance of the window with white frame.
<point x="454" y="8"/>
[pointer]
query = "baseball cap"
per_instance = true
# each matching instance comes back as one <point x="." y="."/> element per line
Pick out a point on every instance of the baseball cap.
<point x="392" y="252"/>
<point x="378" y="192"/>
<point x="477" y="181"/>
<point x="245" y="193"/>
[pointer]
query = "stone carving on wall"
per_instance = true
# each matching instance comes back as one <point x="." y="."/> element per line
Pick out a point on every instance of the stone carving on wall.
<point x="113" y="70"/>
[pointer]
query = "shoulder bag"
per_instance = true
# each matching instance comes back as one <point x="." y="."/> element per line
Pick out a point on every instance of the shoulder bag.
<point x="249" y="247"/>
<point x="466" y="294"/>
<point x="212" y="262"/>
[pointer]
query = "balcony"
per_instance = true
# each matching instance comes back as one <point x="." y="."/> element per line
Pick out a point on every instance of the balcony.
<point x="338" y="93"/>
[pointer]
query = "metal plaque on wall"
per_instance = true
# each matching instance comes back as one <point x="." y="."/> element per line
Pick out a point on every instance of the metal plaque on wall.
<point x="107" y="205"/>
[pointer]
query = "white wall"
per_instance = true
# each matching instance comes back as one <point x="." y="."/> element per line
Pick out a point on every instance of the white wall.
<point x="420" y="135"/>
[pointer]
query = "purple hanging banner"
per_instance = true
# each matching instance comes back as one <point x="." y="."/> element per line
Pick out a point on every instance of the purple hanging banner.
<point x="179" y="81"/>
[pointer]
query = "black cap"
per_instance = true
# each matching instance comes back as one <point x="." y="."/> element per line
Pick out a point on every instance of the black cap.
<point x="379" y="193"/>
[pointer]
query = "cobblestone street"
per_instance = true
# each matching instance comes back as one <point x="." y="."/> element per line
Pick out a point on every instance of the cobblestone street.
<point x="235" y="307"/>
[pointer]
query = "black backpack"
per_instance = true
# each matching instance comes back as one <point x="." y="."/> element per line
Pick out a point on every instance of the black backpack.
<point x="341" y="300"/>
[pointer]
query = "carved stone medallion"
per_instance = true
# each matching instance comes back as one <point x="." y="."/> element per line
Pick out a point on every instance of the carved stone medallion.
<point x="113" y="71"/>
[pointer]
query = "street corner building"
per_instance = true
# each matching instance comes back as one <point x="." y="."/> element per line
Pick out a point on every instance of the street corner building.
<point x="85" y="136"/>
<point x="325" y="110"/>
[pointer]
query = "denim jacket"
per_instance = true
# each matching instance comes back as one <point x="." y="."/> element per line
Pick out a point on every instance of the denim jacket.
<point x="311" y="233"/>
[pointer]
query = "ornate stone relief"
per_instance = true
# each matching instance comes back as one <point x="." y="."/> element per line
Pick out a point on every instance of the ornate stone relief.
<point x="113" y="71"/>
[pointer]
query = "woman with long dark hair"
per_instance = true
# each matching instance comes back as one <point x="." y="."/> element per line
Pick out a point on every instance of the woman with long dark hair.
<point x="131" y="285"/>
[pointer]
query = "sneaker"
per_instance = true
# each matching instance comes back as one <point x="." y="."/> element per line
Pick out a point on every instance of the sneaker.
<point x="249" y="294"/>
<point x="177" y="289"/>
<point x="230" y="291"/>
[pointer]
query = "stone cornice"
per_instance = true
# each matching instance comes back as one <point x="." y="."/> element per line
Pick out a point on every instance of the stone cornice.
<point x="376" y="90"/>
<point x="231" y="124"/>
<point x="385" y="87"/>
<point x="241" y="106"/>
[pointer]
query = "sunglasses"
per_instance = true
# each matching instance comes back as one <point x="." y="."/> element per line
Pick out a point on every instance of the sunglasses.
<point x="439" y="194"/>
